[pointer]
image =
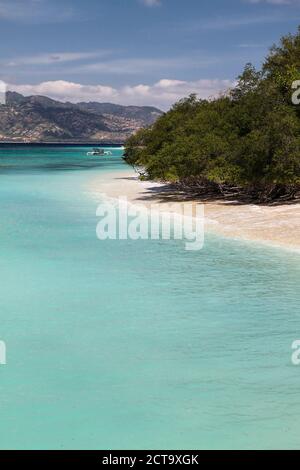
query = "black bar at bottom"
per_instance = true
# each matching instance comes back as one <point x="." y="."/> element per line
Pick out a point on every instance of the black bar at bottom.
<point x="135" y="459"/>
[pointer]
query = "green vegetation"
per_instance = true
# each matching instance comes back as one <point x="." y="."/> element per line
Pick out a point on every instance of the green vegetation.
<point x="246" y="142"/>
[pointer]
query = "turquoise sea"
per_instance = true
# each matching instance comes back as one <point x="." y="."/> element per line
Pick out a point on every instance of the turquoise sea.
<point x="136" y="344"/>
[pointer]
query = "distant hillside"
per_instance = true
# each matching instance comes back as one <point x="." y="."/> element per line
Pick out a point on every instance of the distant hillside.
<point x="38" y="118"/>
<point x="145" y="114"/>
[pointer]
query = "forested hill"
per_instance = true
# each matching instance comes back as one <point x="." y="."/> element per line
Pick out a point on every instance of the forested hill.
<point x="243" y="144"/>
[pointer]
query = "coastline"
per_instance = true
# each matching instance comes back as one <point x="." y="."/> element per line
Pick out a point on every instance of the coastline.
<point x="277" y="226"/>
<point x="75" y="143"/>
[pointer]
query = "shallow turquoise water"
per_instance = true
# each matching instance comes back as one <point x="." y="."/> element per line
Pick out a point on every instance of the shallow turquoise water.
<point x="136" y="344"/>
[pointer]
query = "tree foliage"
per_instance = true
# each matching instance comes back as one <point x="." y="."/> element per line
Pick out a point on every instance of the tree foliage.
<point x="249" y="137"/>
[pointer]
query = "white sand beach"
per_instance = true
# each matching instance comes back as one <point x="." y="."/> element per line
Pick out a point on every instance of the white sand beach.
<point x="277" y="225"/>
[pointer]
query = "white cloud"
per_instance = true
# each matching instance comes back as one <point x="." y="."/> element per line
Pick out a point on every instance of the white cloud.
<point x="53" y="58"/>
<point x="227" y="23"/>
<point x="142" y="65"/>
<point x="151" y="3"/>
<point x="276" y="2"/>
<point x="102" y="62"/>
<point x="162" y="94"/>
<point x="33" y="11"/>
<point x="252" y="45"/>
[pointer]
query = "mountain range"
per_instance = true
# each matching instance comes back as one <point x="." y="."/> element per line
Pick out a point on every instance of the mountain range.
<point x="41" y="119"/>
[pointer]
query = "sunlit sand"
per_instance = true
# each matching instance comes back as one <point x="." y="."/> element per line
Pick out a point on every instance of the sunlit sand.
<point x="277" y="225"/>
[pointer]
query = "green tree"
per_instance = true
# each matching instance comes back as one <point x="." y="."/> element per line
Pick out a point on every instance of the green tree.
<point x="249" y="137"/>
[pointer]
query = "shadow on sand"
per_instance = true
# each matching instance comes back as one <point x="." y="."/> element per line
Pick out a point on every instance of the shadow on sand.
<point x="169" y="193"/>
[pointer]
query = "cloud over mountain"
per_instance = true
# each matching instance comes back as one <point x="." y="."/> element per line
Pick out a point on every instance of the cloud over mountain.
<point x="162" y="93"/>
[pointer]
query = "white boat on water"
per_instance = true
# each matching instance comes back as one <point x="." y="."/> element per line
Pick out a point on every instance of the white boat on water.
<point x="99" y="153"/>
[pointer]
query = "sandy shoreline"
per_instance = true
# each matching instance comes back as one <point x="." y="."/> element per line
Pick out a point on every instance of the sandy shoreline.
<point x="273" y="225"/>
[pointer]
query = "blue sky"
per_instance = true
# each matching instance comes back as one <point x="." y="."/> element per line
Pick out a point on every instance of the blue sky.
<point x="136" y="51"/>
